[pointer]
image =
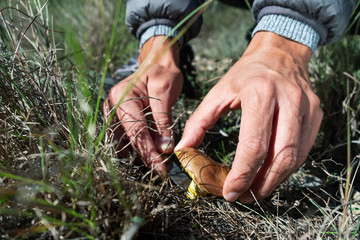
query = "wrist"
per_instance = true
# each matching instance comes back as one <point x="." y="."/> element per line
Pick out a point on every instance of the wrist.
<point x="264" y="42"/>
<point x="291" y="28"/>
<point x="159" y="30"/>
<point x="159" y="53"/>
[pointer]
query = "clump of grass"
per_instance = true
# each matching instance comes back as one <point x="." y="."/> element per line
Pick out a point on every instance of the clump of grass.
<point x="53" y="183"/>
<point x="335" y="72"/>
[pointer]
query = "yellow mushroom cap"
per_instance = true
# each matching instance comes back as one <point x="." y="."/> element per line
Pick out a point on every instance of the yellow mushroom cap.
<point x="207" y="173"/>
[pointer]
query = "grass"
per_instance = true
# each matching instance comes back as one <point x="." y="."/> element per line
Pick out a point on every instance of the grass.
<point x="59" y="177"/>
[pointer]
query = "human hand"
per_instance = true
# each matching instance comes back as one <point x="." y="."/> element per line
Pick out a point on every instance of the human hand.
<point x="150" y="100"/>
<point x="281" y="115"/>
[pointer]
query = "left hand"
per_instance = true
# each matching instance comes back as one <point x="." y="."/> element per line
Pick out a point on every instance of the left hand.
<point x="281" y="115"/>
<point x="150" y="100"/>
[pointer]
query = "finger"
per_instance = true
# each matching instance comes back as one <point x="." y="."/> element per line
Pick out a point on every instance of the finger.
<point x="254" y="138"/>
<point x="135" y="124"/>
<point x="291" y="148"/>
<point x="163" y="91"/>
<point x="282" y="159"/>
<point x="204" y="117"/>
<point x="310" y="127"/>
<point x="131" y="114"/>
<point x="161" y="125"/>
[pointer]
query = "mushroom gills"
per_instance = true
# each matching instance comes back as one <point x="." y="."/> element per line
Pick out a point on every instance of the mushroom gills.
<point x="208" y="175"/>
<point x="194" y="191"/>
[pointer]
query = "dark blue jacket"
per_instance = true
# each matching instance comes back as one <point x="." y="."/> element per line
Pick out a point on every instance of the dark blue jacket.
<point x="328" y="17"/>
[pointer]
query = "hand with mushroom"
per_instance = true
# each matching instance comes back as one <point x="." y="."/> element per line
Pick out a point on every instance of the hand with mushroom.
<point x="150" y="99"/>
<point x="281" y="115"/>
<point x="207" y="175"/>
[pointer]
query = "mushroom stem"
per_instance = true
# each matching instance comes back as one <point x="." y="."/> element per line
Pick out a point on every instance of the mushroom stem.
<point x="208" y="176"/>
<point x="194" y="190"/>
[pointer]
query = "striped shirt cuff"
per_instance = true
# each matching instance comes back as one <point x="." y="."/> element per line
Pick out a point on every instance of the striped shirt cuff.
<point x="290" y="28"/>
<point x="159" y="30"/>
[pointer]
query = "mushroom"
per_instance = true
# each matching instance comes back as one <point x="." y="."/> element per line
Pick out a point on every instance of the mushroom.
<point x="207" y="175"/>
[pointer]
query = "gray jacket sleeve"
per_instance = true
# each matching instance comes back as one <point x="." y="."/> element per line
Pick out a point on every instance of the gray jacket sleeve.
<point x="328" y="17"/>
<point x="142" y="14"/>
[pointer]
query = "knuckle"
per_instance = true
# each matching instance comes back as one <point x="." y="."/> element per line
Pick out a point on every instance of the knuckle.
<point x="286" y="160"/>
<point x="269" y="87"/>
<point x="111" y="93"/>
<point x="320" y="113"/>
<point x="162" y="86"/>
<point x="137" y="135"/>
<point x="297" y="96"/>
<point x="315" y="100"/>
<point x="242" y="181"/>
<point x="255" y="147"/>
<point x="176" y="72"/>
<point x="164" y="122"/>
<point x="191" y="122"/>
<point x="265" y="87"/>
<point x="117" y="90"/>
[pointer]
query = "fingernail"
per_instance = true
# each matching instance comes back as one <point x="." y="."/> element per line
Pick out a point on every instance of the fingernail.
<point x="162" y="174"/>
<point x="232" y="196"/>
<point x="164" y="145"/>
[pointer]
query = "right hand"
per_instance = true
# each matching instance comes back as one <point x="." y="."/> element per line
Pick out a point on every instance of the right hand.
<point x="280" y="116"/>
<point x="150" y="100"/>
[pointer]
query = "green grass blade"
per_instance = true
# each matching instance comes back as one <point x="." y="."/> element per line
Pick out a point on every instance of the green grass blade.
<point x="119" y="8"/>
